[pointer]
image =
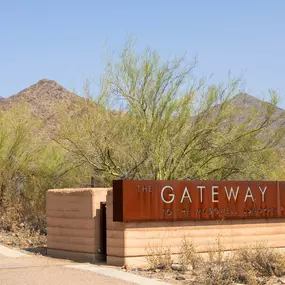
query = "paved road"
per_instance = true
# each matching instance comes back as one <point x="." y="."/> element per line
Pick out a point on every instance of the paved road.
<point x="18" y="269"/>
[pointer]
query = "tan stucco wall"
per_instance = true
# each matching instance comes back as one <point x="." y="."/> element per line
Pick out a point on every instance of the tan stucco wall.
<point x="115" y="236"/>
<point x="73" y="222"/>
<point x="127" y="242"/>
<point x="73" y="219"/>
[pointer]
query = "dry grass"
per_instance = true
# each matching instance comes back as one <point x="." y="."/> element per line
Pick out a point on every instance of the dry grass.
<point x="216" y="268"/>
<point x="189" y="255"/>
<point x="263" y="260"/>
<point x="21" y="232"/>
<point x="245" y="266"/>
<point x="158" y="255"/>
<point x="24" y="238"/>
<point x="249" y="265"/>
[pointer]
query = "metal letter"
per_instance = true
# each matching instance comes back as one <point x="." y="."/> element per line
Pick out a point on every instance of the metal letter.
<point x="170" y="195"/>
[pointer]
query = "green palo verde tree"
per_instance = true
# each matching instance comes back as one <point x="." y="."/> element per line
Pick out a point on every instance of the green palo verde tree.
<point x="151" y="121"/>
<point x="17" y="150"/>
<point x="30" y="164"/>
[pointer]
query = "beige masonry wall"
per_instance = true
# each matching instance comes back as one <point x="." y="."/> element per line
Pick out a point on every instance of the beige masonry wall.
<point x="127" y="242"/>
<point x="115" y="236"/>
<point x="73" y="223"/>
<point x="73" y="220"/>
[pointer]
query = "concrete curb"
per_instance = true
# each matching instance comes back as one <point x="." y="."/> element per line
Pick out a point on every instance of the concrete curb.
<point x="11" y="252"/>
<point x="125" y="276"/>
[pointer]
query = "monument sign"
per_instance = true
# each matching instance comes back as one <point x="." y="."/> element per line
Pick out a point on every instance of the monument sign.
<point x="173" y="200"/>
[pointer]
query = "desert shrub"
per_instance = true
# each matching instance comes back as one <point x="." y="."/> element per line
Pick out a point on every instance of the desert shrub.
<point x="216" y="252"/>
<point x="189" y="255"/>
<point x="9" y="219"/>
<point x="216" y="267"/>
<point x="221" y="268"/>
<point x="29" y="166"/>
<point x="243" y="274"/>
<point x="244" y="266"/>
<point x="264" y="260"/>
<point x="158" y="255"/>
<point x="216" y="274"/>
<point x="248" y="265"/>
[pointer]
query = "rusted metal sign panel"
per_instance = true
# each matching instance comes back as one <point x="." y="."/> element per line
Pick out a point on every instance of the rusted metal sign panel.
<point x="143" y="200"/>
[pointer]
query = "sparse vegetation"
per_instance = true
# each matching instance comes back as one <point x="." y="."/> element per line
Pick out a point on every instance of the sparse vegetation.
<point x="249" y="265"/>
<point x="189" y="255"/>
<point x="263" y="260"/>
<point x="158" y="255"/>
<point x="30" y="164"/>
<point x="152" y="119"/>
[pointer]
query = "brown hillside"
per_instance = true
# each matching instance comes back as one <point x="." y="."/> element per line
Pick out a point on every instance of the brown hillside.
<point x="43" y="98"/>
<point x="249" y="104"/>
<point x="246" y="103"/>
<point x="47" y="101"/>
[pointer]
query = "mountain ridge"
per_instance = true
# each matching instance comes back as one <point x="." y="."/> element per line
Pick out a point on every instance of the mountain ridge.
<point x="48" y="99"/>
<point x="51" y="88"/>
<point x="43" y="88"/>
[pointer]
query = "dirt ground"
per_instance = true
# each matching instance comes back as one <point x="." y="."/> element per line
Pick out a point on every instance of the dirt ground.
<point x="36" y="245"/>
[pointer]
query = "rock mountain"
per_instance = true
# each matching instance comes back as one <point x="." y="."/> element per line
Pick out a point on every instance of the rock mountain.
<point x="47" y="100"/>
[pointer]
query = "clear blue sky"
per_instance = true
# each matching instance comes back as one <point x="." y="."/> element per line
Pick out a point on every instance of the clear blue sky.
<point x="65" y="40"/>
